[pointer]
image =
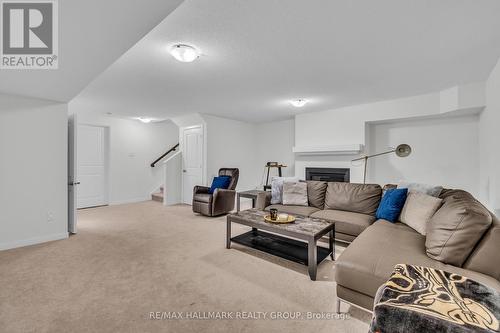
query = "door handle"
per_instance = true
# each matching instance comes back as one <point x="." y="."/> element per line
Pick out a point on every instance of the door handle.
<point x="74" y="183"/>
<point x="184" y="170"/>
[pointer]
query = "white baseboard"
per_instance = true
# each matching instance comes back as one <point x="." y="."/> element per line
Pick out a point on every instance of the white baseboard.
<point x="33" y="241"/>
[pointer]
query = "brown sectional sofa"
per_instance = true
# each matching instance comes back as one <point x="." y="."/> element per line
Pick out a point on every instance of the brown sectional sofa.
<point x="352" y="206"/>
<point x="377" y="246"/>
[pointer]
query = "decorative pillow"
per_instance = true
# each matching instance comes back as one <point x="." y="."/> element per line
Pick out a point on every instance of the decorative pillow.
<point x="455" y="229"/>
<point x="391" y="204"/>
<point x="277" y="188"/>
<point x="316" y="191"/>
<point x="418" y="210"/>
<point x="219" y="182"/>
<point x="295" y="193"/>
<point x="431" y="190"/>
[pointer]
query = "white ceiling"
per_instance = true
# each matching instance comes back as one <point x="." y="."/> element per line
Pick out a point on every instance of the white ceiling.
<point x="92" y="35"/>
<point x="260" y="53"/>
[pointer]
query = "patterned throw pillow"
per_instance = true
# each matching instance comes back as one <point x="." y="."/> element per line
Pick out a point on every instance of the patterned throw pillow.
<point x="277" y="188"/>
<point x="431" y="190"/>
<point x="295" y="193"/>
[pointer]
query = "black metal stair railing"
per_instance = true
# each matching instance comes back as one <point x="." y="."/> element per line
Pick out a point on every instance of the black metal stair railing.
<point x="163" y="156"/>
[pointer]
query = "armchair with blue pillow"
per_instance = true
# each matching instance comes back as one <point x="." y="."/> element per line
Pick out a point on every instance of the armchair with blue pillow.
<point x="219" y="198"/>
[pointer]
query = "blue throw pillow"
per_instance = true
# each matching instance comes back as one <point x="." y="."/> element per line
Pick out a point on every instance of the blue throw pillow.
<point x="220" y="182"/>
<point x="391" y="204"/>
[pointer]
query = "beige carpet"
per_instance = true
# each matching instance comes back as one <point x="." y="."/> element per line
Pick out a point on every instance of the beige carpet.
<point x="130" y="260"/>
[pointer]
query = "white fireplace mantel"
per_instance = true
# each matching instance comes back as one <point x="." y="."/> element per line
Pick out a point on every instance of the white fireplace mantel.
<point x="349" y="149"/>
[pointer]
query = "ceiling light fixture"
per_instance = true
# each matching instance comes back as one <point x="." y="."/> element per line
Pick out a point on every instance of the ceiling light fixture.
<point x="184" y="53"/>
<point x="298" y="103"/>
<point x="145" y="120"/>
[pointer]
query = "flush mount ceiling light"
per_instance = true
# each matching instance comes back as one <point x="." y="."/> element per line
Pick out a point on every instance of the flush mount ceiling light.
<point x="298" y="103"/>
<point x="144" y="120"/>
<point x="184" y="53"/>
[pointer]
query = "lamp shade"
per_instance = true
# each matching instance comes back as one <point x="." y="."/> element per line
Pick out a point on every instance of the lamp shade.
<point x="403" y="150"/>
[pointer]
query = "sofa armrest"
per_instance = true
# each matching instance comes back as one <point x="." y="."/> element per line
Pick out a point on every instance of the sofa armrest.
<point x="200" y="189"/>
<point x="263" y="200"/>
<point x="223" y="201"/>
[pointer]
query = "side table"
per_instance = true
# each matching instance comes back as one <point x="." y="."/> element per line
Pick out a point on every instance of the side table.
<point x="251" y="194"/>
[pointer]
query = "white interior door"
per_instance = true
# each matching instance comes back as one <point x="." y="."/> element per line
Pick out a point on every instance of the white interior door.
<point x="92" y="167"/>
<point x="192" y="161"/>
<point x="72" y="173"/>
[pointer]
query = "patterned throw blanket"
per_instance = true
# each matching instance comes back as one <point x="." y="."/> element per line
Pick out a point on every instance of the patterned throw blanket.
<point x="421" y="299"/>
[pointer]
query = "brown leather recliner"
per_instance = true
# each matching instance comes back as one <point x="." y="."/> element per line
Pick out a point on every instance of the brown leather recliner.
<point x="221" y="201"/>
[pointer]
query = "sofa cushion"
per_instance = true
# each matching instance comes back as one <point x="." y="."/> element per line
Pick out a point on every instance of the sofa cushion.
<point x="203" y="197"/>
<point x="316" y="191"/>
<point x="297" y="210"/>
<point x="368" y="261"/>
<point x="455" y="229"/>
<point x="295" y="193"/>
<point x="418" y="210"/>
<point x="346" y="222"/>
<point x="339" y="236"/>
<point x="357" y="198"/>
<point x="448" y="194"/>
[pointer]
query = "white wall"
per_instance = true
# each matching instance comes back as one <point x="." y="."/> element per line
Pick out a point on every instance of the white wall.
<point x="489" y="140"/>
<point x="231" y="143"/>
<point x="347" y="125"/>
<point x="445" y="151"/>
<point x="427" y="122"/>
<point x="133" y="146"/>
<point x="173" y="179"/>
<point x="33" y="171"/>
<point x="247" y="146"/>
<point x="274" y="142"/>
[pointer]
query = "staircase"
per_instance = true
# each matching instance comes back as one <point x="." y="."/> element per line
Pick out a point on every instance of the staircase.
<point x="158" y="196"/>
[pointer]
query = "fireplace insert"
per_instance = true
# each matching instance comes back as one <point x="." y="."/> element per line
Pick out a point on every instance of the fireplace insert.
<point x="328" y="174"/>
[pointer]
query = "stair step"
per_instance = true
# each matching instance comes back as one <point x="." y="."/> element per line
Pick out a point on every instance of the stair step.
<point x="157" y="196"/>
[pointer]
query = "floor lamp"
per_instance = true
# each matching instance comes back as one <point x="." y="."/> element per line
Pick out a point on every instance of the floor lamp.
<point x="402" y="150"/>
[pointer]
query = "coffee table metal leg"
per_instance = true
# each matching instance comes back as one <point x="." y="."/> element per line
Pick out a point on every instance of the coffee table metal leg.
<point x="332" y="244"/>
<point x="312" y="261"/>
<point x="238" y="202"/>
<point x="228" y="233"/>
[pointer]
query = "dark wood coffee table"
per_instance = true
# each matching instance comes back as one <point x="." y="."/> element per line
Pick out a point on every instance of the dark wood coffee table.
<point x="295" y="241"/>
